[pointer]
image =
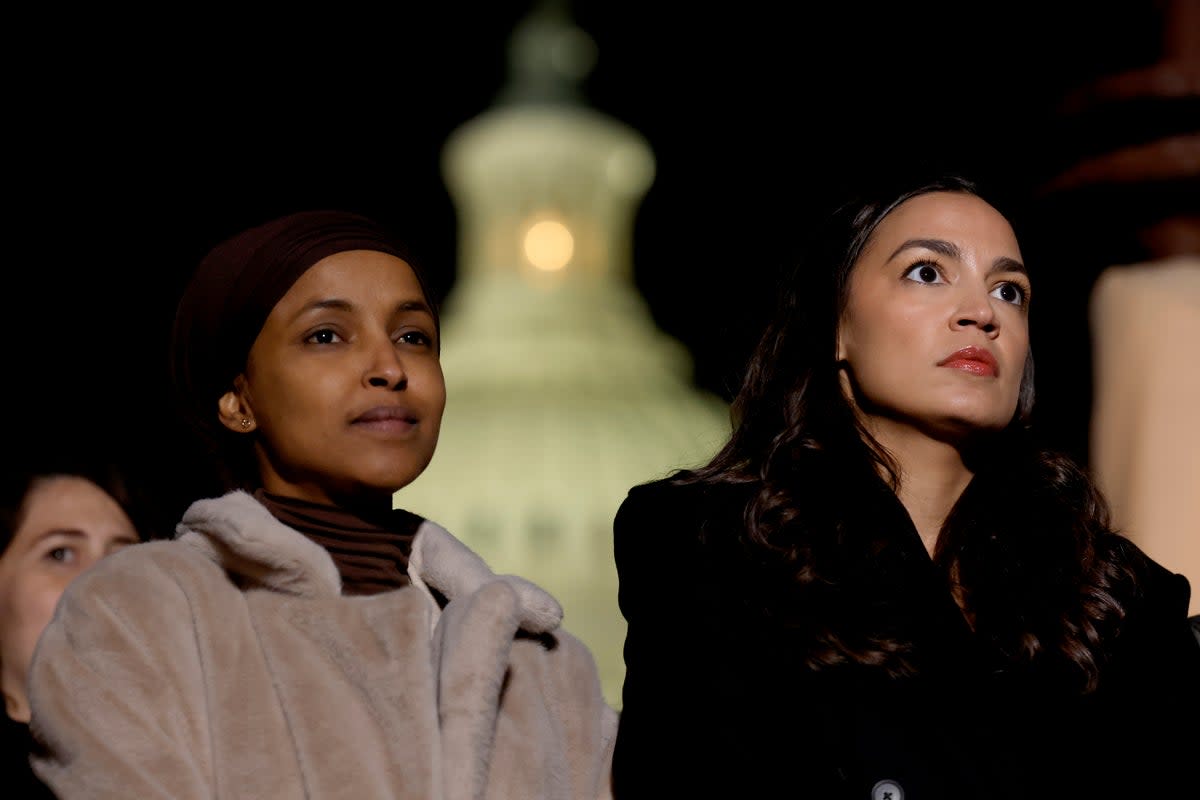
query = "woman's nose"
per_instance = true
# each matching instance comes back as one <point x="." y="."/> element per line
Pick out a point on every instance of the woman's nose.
<point x="976" y="310"/>
<point x="386" y="369"/>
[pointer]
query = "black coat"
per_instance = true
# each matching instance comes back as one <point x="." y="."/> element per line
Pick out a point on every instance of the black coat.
<point x="717" y="701"/>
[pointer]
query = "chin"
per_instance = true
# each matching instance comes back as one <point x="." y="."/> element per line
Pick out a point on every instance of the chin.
<point x="369" y="489"/>
<point x="975" y="413"/>
<point x="962" y="421"/>
<point x="391" y="472"/>
<point x="389" y="483"/>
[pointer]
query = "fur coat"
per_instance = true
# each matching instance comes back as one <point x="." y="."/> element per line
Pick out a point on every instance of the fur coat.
<point x="226" y="663"/>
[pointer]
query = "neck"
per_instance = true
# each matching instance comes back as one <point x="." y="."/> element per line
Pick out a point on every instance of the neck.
<point x="367" y="504"/>
<point x="932" y="477"/>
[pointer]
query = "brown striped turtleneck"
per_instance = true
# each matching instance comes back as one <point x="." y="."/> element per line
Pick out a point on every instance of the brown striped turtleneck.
<point x="371" y="553"/>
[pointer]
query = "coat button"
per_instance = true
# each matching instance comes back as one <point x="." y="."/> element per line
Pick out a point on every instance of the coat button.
<point x="887" y="790"/>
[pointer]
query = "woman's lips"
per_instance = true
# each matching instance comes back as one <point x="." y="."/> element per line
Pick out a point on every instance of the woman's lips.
<point x="975" y="360"/>
<point x="386" y="419"/>
<point x="386" y="414"/>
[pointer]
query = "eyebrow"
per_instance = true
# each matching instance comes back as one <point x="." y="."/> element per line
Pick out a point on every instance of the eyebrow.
<point x="69" y="532"/>
<point x="338" y="304"/>
<point x="77" y="535"/>
<point x="950" y="250"/>
<point x="74" y="532"/>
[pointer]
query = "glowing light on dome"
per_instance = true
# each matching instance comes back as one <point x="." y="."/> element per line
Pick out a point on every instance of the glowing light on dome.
<point x="549" y="245"/>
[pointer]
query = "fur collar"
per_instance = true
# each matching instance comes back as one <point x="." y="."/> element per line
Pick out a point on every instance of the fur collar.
<point x="241" y="535"/>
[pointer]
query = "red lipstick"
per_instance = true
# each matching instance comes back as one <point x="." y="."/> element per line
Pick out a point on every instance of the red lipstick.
<point x="975" y="360"/>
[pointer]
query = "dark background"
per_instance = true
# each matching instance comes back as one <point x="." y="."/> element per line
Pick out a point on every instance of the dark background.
<point x="136" y="143"/>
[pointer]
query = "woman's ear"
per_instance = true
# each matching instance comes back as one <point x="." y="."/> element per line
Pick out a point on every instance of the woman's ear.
<point x="233" y="410"/>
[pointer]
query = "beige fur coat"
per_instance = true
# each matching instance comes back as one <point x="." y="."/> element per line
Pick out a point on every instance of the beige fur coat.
<point x="227" y="664"/>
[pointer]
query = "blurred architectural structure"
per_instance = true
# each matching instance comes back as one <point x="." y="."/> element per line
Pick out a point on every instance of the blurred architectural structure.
<point x="562" y="392"/>
<point x="1133" y="198"/>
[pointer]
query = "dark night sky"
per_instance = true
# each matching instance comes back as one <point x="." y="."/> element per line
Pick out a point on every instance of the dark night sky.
<point x="138" y="143"/>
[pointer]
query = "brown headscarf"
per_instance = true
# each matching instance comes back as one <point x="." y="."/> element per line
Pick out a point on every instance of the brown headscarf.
<point x="234" y="289"/>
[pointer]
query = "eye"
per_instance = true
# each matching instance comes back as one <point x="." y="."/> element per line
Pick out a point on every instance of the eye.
<point x="63" y="555"/>
<point x="1010" y="293"/>
<point x="924" y="272"/>
<point x="416" y="338"/>
<point x="323" y="336"/>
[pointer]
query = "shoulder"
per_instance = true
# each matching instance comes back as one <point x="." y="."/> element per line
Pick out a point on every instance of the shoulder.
<point x="1149" y="682"/>
<point x="653" y="515"/>
<point x="668" y="504"/>
<point x="239" y="535"/>
<point x="151" y="580"/>
<point x="1156" y="626"/>
<point x="1155" y="584"/>
<point x="664" y="529"/>
<point x="1159" y="589"/>
<point x="139" y="568"/>
<point x="139" y="604"/>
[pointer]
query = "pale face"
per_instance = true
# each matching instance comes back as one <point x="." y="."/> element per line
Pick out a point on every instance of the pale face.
<point x="936" y="330"/>
<point x="68" y="524"/>
<point x="343" y="388"/>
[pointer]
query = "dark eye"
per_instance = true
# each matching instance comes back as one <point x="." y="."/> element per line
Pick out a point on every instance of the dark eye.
<point x="323" y="336"/>
<point x="417" y="338"/>
<point x="923" y="272"/>
<point x="1010" y="293"/>
<point x="62" y="554"/>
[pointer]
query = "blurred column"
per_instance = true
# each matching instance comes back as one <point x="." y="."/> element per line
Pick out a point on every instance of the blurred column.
<point x="1146" y="416"/>
<point x="1140" y="175"/>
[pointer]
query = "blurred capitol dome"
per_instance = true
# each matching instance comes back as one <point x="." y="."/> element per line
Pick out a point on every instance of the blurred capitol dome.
<point x="562" y="392"/>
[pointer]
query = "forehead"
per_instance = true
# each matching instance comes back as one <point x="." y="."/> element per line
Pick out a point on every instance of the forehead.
<point x="952" y="216"/>
<point x="69" y="501"/>
<point x="352" y="272"/>
<point x="56" y="490"/>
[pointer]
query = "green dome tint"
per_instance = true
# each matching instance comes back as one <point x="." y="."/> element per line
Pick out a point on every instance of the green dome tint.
<point x="562" y="392"/>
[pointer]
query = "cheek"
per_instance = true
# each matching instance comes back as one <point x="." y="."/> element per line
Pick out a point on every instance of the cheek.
<point x="1017" y="349"/>
<point x="1022" y="345"/>
<point x="1020" y="358"/>
<point x="874" y="340"/>
<point x="27" y="606"/>
<point x="436" y="382"/>
<point x="282" y="396"/>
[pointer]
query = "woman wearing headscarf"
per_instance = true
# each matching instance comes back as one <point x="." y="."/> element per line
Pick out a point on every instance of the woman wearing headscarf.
<point x="305" y="637"/>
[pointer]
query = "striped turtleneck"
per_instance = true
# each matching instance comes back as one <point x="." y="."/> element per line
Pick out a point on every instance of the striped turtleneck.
<point x="371" y="553"/>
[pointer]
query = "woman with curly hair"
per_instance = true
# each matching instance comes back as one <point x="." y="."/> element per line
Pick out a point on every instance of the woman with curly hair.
<point x="882" y="587"/>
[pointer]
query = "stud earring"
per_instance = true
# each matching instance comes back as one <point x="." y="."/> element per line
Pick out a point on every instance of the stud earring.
<point x="245" y="422"/>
